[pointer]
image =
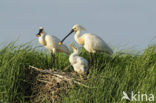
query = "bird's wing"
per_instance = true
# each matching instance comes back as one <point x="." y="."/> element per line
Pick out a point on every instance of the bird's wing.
<point x="97" y="43"/>
<point x="62" y="48"/>
<point x="51" y="39"/>
<point x="82" y="61"/>
<point x="73" y="61"/>
<point x="54" y="43"/>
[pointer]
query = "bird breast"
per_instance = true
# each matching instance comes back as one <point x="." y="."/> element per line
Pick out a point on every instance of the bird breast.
<point x="72" y="59"/>
<point x="80" y="40"/>
<point x="94" y="44"/>
<point x="42" y="41"/>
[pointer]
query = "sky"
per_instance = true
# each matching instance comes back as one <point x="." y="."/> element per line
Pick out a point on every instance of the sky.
<point x="121" y="23"/>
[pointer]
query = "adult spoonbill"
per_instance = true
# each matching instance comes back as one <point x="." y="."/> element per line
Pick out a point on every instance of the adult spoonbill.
<point x="51" y="43"/>
<point x="92" y="43"/>
<point x="79" y="64"/>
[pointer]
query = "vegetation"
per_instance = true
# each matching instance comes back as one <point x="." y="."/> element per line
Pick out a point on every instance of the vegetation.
<point x="113" y="75"/>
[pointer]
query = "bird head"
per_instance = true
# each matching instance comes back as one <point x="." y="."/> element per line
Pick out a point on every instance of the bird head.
<point x="78" y="27"/>
<point x="40" y="32"/>
<point x="73" y="48"/>
<point x="75" y="28"/>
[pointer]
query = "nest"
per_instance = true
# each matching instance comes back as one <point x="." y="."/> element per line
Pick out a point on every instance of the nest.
<point x="52" y="85"/>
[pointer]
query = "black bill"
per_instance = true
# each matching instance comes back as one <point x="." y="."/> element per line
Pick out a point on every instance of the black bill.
<point x="39" y="33"/>
<point x="67" y="36"/>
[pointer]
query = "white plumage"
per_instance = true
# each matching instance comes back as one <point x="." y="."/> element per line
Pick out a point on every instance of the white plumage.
<point x="79" y="64"/>
<point x="92" y="43"/>
<point x="51" y="43"/>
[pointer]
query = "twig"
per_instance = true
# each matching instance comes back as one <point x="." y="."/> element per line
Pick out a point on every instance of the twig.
<point x="70" y="80"/>
<point x="44" y="81"/>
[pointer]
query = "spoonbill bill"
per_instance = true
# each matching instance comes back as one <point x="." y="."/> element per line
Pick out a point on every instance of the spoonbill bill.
<point x="51" y="43"/>
<point x="92" y="43"/>
<point x="79" y="64"/>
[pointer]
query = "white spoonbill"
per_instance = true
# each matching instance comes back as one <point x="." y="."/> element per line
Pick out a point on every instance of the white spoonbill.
<point x="79" y="64"/>
<point x="51" y="43"/>
<point x="92" y="43"/>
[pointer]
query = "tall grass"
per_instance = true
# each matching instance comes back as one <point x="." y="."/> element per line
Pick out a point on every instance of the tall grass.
<point x="15" y="73"/>
<point x="113" y="75"/>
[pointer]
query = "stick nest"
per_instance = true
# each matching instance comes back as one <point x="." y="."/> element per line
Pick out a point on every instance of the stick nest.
<point x="52" y="85"/>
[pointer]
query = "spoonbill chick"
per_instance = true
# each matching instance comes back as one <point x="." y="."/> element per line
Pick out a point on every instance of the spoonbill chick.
<point x="92" y="43"/>
<point x="51" y="43"/>
<point x="79" y="64"/>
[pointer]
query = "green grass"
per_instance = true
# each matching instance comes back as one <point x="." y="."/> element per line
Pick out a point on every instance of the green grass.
<point x="115" y="74"/>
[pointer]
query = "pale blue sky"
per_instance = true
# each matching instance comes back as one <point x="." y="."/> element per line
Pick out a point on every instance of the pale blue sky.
<point x="121" y="23"/>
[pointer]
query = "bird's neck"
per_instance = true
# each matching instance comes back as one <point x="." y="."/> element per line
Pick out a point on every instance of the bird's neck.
<point x="43" y="34"/>
<point x="78" y="38"/>
<point x="75" y="53"/>
<point x="42" y="39"/>
<point x="77" y="35"/>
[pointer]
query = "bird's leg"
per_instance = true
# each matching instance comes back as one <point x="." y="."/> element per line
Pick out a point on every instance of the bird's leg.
<point x="53" y="60"/>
